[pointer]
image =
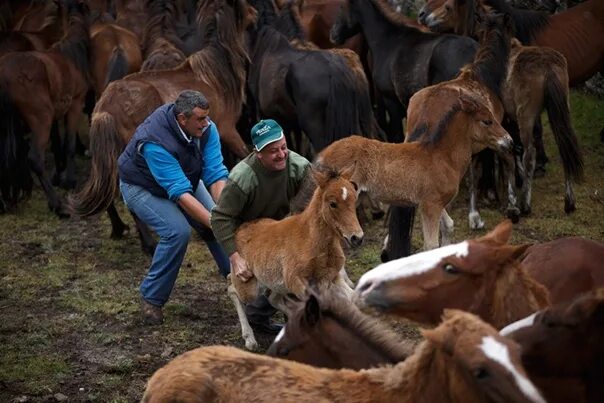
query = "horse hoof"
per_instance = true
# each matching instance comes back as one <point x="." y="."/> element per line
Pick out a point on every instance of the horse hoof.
<point x="513" y="213"/>
<point x="539" y="171"/>
<point x="475" y="221"/>
<point x="384" y="256"/>
<point x="569" y="206"/>
<point x="251" y="345"/>
<point x="525" y="210"/>
<point x="120" y="233"/>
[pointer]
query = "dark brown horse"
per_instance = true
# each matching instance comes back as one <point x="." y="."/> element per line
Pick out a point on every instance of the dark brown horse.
<point x="218" y="71"/>
<point x="328" y="331"/>
<point x="576" y="33"/>
<point x="58" y="78"/>
<point x="562" y="348"/>
<point x="161" y="44"/>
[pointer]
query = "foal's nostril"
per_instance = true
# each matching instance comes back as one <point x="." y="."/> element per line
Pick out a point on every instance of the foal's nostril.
<point x="364" y="287"/>
<point x="421" y="16"/>
<point x="356" y="240"/>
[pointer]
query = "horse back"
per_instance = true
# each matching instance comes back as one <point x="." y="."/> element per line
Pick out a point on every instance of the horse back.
<point x="566" y="266"/>
<point x="449" y="55"/>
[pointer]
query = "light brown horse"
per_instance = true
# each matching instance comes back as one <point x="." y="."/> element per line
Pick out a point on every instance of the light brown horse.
<point x="328" y="331"/>
<point x="481" y="276"/>
<point x="537" y="78"/>
<point x="306" y="248"/>
<point x="576" y="33"/>
<point x="562" y="348"/>
<point x="452" y="120"/>
<point x="42" y="87"/>
<point x="462" y="360"/>
<point x="218" y="71"/>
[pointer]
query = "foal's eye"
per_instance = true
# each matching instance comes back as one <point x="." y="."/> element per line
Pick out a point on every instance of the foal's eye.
<point x="449" y="268"/>
<point x="481" y="373"/>
<point x="487" y="122"/>
<point x="333" y="204"/>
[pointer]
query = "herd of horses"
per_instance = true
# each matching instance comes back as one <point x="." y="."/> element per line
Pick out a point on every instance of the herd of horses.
<point x="471" y="92"/>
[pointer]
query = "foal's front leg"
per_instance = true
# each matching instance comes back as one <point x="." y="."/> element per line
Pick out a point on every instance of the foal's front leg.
<point x="246" y="330"/>
<point x="431" y="213"/>
<point x="446" y="228"/>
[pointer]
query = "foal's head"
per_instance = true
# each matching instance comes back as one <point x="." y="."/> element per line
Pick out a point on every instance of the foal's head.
<point x="564" y="340"/>
<point x="463" y="276"/>
<point x="444" y="109"/>
<point x="445" y="16"/>
<point x="327" y="331"/>
<point x="477" y="363"/>
<point x="336" y="203"/>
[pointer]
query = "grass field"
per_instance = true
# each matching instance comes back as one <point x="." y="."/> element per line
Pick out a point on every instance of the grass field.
<point x="69" y="319"/>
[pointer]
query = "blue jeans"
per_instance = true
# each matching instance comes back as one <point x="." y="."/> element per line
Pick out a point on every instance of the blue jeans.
<point x="173" y="226"/>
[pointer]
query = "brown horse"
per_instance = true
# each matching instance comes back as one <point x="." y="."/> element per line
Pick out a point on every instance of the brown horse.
<point x="462" y="360"/>
<point x="132" y="15"/>
<point x="114" y="53"/>
<point x="288" y="255"/>
<point x="537" y="78"/>
<point x="451" y="121"/>
<point x="218" y="71"/>
<point x="481" y="276"/>
<point x="328" y="331"/>
<point x="566" y="266"/>
<point x="576" y="33"/>
<point x="58" y="78"/>
<point x="160" y="41"/>
<point x="562" y="348"/>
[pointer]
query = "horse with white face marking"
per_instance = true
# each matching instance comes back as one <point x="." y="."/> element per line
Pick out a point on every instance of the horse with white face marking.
<point x="482" y="276"/>
<point x="462" y="360"/>
<point x="288" y="255"/>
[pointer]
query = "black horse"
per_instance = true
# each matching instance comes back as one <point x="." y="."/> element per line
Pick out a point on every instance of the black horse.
<point x="304" y="89"/>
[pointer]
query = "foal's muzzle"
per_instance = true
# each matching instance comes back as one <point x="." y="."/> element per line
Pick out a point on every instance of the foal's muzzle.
<point x="505" y="143"/>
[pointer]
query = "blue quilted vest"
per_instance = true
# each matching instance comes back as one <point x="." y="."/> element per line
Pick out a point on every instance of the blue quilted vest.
<point x="161" y="128"/>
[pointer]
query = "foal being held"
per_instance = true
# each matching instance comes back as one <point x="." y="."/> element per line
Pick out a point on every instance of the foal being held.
<point x="328" y="331"/>
<point x="462" y="360"/>
<point x="287" y="255"/>
<point x="562" y="349"/>
<point x="481" y="276"/>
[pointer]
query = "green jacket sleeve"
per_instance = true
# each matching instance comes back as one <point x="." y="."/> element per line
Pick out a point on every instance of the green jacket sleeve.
<point x="224" y="219"/>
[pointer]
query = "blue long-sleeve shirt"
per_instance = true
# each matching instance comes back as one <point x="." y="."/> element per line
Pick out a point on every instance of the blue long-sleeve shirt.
<point x="169" y="175"/>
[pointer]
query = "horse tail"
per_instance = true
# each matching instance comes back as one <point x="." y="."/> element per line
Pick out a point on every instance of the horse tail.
<point x="15" y="177"/>
<point x="102" y="187"/>
<point x="117" y="66"/>
<point x="348" y="109"/>
<point x="556" y="104"/>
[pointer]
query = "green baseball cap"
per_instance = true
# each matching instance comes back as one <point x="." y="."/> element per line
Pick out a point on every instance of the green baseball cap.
<point x="265" y="132"/>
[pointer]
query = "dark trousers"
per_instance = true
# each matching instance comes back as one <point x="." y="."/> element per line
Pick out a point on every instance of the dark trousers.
<point x="259" y="310"/>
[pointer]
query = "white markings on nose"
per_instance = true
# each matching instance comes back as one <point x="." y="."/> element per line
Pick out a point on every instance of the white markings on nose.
<point x="280" y="335"/>
<point x="512" y="327"/>
<point x="344" y="193"/>
<point x="414" y="264"/>
<point x="498" y="352"/>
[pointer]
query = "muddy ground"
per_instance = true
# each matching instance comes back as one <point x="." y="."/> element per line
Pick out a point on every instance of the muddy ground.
<point x="70" y="328"/>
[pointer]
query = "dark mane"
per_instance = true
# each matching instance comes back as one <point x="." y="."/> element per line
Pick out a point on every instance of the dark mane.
<point x="161" y="24"/>
<point x="76" y="43"/>
<point x="268" y="39"/>
<point x="267" y="12"/>
<point x="490" y="63"/>
<point x="527" y="23"/>
<point x="221" y="62"/>
<point x="289" y="24"/>
<point x="369" y="329"/>
<point x="433" y="137"/>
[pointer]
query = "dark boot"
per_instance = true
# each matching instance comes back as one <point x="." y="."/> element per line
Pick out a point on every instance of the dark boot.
<point x="259" y="314"/>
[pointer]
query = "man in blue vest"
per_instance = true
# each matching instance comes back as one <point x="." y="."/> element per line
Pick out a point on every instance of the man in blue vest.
<point x="171" y="174"/>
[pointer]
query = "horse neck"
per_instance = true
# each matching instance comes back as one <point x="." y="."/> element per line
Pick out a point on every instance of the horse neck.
<point x="317" y="227"/>
<point x="513" y="296"/>
<point x="75" y="45"/>
<point x="455" y="146"/>
<point x="376" y="27"/>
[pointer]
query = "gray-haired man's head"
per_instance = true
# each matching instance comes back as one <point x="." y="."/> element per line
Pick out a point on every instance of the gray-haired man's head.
<point x="188" y="100"/>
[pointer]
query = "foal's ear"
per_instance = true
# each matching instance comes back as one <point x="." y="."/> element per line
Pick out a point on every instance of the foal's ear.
<point x="347" y="172"/>
<point x="511" y="252"/>
<point x="501" y="234"/>
<point x="321" y="177"/>
<point x="468" y="104"/>
<point x="312" y="311"/>
<point x="440" y="337"/>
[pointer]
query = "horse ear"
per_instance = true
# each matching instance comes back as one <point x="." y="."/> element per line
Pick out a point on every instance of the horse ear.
<point x="312" y="311"/>
<point x="440" y="337"/>
<point x="511" y="252"/>
<point x="320" y="177"/>
<point x="347" y="172"/>
<point x="500" y="234"/>
<point x="468" y="104"/>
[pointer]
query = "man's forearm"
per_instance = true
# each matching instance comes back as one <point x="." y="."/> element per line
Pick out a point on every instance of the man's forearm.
<point x="216" y="189"/>
<point x="194" y="208"/>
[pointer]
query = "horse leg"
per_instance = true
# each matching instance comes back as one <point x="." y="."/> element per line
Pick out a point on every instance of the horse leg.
<point x="396" y="113"/>
<point x="344" y="275"/>
<point x="118" y="227"/>
<point x="474" y="219"/>
<point x="68" y="177"/>
<point x="446" y="228"/>
<point x="431" y="213"/>
<point x="56" y="143"/>
<point x="541" y="157"/>
<point x="246" y="330"/>
<point x="148" y="244"/>
<point x="40" y="128"/>
<point x="512" y="210"/>
<point x="529" y="158"/>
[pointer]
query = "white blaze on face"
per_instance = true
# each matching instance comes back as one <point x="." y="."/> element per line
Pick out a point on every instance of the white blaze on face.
<point x="414" y="264"/>
<point x="512" y="327"/>
<point x="344" y="193"/>
<point x="280" y="335"/>
<point x="498" y="352"/>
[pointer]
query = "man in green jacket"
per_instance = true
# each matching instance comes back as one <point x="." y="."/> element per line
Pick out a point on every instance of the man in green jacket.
<point x="260" y="186"/>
